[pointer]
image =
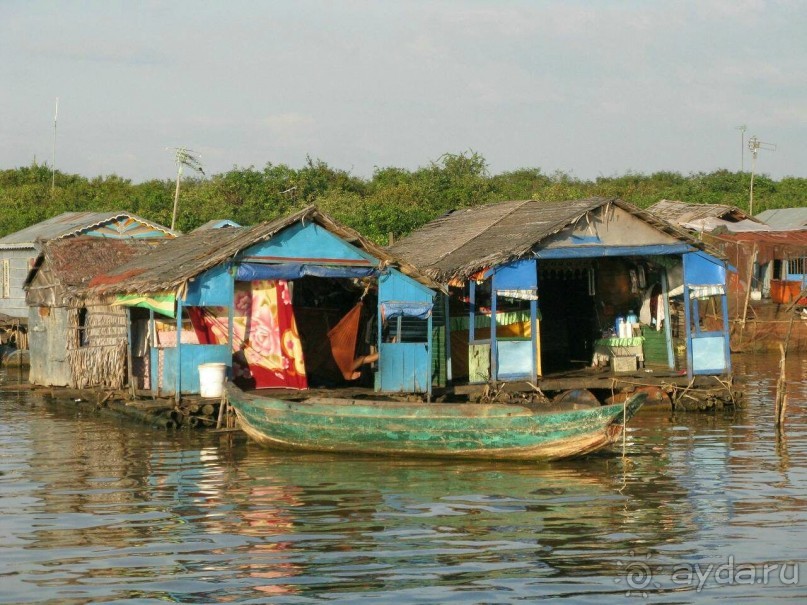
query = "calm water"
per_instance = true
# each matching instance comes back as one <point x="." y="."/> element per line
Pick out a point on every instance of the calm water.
<point x="706" y="508"/>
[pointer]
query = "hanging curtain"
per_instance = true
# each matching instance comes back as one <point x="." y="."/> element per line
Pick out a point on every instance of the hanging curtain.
<point x="267" y="352"/>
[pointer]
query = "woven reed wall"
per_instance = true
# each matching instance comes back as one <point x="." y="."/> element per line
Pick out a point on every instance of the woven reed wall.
<point x="96" y="350"/>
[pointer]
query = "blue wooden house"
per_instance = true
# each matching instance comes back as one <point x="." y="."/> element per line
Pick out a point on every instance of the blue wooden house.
<point x="299" y="302"/>
<point x="542" y="289"/>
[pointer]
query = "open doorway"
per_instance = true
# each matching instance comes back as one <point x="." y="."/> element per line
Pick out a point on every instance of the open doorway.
<point x="569" y="317"/>
<point x="336" y="319"/>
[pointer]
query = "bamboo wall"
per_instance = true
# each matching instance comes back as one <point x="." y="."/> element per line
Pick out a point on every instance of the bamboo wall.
<point x="96" y="346"/>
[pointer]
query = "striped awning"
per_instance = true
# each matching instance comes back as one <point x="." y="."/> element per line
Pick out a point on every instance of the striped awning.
<point x="161" y="302"/>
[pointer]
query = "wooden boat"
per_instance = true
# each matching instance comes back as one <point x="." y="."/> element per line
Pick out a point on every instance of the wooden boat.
<point x="451" y="430"/>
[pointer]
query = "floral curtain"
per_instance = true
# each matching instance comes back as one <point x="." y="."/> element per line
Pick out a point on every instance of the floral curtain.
<point x="267" y="352"/>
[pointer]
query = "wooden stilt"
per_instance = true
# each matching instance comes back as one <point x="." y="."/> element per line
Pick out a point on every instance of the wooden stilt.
<point x="781" y="391"/>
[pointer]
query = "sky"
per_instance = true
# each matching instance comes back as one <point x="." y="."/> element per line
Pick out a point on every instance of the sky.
<point x="590" y="88"/>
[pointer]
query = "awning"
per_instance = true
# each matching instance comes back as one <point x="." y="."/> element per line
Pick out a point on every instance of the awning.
<point x="163" y="303"/>
<point x="522" y="294"/>
<point x="598" y="251"/>
<point x="394" y="308"/>
<point x="699" y="291"/>
<point x="257" y="271"/>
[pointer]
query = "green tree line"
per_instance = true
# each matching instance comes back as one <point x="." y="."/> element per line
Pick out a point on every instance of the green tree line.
<point x="391" y="201"/>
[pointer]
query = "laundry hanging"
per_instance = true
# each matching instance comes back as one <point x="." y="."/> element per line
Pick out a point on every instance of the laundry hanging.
<point x="267" y="351"/>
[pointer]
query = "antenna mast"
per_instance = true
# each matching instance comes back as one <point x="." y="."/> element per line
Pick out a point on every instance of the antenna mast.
<point x="754" y="144"/>
<point x="183" y="157"/>
<point x="742" y="130"/>
<point x="53" y="167"/>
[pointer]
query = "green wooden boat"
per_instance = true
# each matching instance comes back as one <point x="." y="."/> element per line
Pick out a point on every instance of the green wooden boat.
<point x="461" y="430"/>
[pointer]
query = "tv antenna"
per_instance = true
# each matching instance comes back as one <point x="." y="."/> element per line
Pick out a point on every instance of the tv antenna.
<point x="754" y="144"/>
<point x="183" y="157"/>
<point x="742" y="130"/>
<point x="53" y="168"/>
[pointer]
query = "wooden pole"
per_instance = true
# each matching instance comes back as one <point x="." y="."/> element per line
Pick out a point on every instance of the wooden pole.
<point x="222" y="404"/>
<point x="781" y="390"/>
<point x="751" y="262"/>
<point x="176" y="198"/>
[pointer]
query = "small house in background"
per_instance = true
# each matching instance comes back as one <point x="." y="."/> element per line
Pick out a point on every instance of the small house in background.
<point x="19" y="250"/>
<point x="217" y="223"/>
<point x="682" y="213"/>
<point x="784" y="219"/>
<point x="554" y="290"/>
<point x="295" y="303"/>
<point x="770" y="259"/>
<point x="73" y="343"/>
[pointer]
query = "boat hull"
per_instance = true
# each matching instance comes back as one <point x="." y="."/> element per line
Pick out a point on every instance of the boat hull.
<point x="445" y="430"/>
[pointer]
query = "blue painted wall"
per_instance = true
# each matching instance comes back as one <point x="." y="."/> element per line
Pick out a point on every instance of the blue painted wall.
<point x="308" y="241"/>
<point x="701" y="269"/>
<point x="191" y="357"/>
<point x="213" y="288"/>
<point x="403" y="366"/>
<point x="707" y="352"/>
<point x="518" y="275"/>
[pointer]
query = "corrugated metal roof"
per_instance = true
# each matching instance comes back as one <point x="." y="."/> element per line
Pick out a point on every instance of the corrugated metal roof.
<point x="784" y="218"/>
<point x="70" y="223"/>
<point x="216" y="223"/>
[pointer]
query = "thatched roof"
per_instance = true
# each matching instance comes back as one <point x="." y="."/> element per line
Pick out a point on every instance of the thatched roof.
<point x="679" y="213"/>
<point x="169" y="267"/>
<point x="65" y="267"/>
<point x="468" y="240"/>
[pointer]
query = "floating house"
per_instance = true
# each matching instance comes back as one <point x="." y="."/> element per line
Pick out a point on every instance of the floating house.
<point x="770" y="263"/>
<point x="578" y="289"/>
<point x="74" y="343"/>
<point x="19" y="250"/>
<point x="297" y="303"/>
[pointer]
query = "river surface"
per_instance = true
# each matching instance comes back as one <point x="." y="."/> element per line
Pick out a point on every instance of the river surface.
<point x="705" y="508"/>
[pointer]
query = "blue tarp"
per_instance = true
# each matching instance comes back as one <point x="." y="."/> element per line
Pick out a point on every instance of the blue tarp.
<point x="595" y="251"/>
<point x="256" y="271"/>
<point x="394" y="308"/>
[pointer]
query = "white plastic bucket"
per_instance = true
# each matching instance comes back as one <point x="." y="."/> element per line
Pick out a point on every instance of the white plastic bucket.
<point x="211" y="379"/>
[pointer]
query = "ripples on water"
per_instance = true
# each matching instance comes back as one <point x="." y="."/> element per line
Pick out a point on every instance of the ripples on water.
<point x="94" y="509"/>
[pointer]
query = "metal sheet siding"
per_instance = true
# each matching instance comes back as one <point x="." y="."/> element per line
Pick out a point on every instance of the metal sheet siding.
<point x="19" y="261"/>
<point x="47" y="341"/>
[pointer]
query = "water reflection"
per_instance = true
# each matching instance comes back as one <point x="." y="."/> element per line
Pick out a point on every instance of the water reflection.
<point x="97" y="509"/>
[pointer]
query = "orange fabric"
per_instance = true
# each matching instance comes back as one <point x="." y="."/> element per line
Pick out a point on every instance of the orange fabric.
<point x="343" y="338"/>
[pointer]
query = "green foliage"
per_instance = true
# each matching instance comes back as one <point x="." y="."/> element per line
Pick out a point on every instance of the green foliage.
<point x="393" y="201"/>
